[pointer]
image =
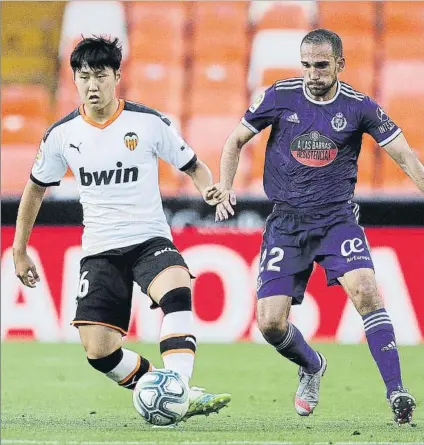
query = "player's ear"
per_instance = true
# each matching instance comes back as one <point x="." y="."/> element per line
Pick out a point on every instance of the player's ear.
<point x="341" y="62"/>
<point x="117" y="76"/>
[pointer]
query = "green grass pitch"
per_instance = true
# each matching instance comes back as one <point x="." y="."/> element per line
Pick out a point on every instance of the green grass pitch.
<point x="51" y="395"/>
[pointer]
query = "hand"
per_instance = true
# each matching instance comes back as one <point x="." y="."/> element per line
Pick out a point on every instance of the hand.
<point x="25" y="269"/>
<point x="214" y="194"/>
<point x="226" y="207"/>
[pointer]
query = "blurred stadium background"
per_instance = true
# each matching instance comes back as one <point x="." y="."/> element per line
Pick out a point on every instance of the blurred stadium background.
<point x="202" y="63"/>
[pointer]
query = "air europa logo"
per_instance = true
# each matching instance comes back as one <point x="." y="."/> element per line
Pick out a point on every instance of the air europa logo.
<point x="106" y="177"/>
<point x="313" y="149"/>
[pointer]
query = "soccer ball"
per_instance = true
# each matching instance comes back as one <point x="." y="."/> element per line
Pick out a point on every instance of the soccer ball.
<point x="161" y="397"/>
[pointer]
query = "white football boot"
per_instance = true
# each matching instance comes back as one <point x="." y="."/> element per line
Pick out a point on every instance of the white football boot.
<point x="307" y="394"/>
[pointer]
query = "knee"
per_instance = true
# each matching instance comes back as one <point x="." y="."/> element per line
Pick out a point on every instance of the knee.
<point x="366" y="296"/>
<point x="273" y="329"/>
<point x="176" y="300"/>
<point x="97" y="350"/>
<point x="99" y="346"/>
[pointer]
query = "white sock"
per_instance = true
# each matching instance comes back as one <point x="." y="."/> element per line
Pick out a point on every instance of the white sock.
<point x="178" y="344"/>
<point x="131" y="367"/>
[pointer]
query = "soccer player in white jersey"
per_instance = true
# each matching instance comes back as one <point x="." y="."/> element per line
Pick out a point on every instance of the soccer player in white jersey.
<point x="112" y="147"/>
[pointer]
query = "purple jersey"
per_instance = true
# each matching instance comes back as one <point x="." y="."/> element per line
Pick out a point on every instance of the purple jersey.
<point x="312" y="153"/>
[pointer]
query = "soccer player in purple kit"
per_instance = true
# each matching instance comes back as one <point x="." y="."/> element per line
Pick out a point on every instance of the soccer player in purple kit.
<point x="310" y="173"/>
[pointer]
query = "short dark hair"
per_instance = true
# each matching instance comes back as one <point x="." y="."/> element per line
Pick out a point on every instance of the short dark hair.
<point x="97" y="53"/>
<point x="320" y="36"/>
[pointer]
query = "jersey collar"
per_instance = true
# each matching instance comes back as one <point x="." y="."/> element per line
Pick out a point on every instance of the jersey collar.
<point x="108" y="122"/>
<point x="324" y="102"/>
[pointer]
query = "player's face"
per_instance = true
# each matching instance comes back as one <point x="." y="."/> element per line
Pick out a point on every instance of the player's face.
<point x="320" y="68"/>
<point x="96" y="87"/>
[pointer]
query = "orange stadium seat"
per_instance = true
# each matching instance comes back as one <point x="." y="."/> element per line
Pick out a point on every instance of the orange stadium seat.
<point x="26" y="100"/>
<point x="155" y="46"/>
<point x="13" y="179"/>
<point x="162" y="15"/>
<point x="362" y="80"/>
<point x="348" y="17"/>
<point x="366" y="166"/>
<point x="67" y="100"/>
<point x="403" y="27"/>
<point x="271" y="75"/>
<point x="207" y="135"/>
<point x="219" y="32"/>
<point x="401" y="77"/>
<point x="272" y="49"/>
<point x="404" y="17"/>
<point x="358" y="49"/>
<point x="217" y="89"/>
<point x="407" y="111"/>
<point x="81" y="18"/>
<point x="210" y="77"/>
<point x="280" y="28"/>
<point x="170" y="180"/>
<point x="259" y="8"/>
<point x="156" y="85"/>
<point x="281" y="16"/>
<point x="22" y="129"/>
<point x="213" y="45"/>
<point x="156" y="31"/>
<point x="225" y="17"/>
<point x="256" y="150"/>
<point x="401" y="46"/>
<point x="66" y="95"/>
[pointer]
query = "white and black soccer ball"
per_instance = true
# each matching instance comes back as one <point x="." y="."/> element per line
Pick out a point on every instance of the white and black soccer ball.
<point x="161" y="397"/>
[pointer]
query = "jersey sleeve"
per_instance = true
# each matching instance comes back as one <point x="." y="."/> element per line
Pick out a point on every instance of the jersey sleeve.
<point x="262" y="111"/>
<point x="377" y="123"/>
<point x="49" y="166"/>
<point x="172" y="148"/>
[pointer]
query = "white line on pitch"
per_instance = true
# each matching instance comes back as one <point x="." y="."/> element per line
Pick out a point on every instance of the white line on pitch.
<point x="234" y="442"/>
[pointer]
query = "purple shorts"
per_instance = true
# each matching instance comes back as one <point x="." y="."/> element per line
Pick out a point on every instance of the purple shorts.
<point x="294" y="239"/>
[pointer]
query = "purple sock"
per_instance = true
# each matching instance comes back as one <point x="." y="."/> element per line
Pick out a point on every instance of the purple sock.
<point x="382" y="343"/>
<point x="295" y="348"/>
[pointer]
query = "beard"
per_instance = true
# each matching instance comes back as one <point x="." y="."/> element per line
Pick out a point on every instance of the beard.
<point x="320" y="89"/>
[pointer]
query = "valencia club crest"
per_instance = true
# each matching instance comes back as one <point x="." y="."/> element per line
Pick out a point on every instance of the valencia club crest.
<point x="131" y="140"/>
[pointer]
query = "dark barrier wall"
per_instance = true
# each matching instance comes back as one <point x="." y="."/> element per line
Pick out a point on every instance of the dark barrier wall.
<point x="250" y="213"/>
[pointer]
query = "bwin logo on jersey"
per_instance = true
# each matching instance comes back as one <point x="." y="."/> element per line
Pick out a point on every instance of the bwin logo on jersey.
<point x="131" y="141"/>
<point x="106" y="177"/>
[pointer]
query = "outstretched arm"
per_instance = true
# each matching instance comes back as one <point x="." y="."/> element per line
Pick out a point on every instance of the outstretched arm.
<point x="231" y="154"/>
<point x="28" y="210"/>
<point x="408" y="161"/>
<point x="202" y="179"/>
<point x="229" y="162"/>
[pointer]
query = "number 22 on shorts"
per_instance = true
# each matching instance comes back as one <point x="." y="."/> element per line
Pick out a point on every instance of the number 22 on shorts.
<point x="272" y="259"/>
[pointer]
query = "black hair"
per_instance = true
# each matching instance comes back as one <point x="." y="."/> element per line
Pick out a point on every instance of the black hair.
<point x="320" y="36"/>
<point x="97" y="53"/>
